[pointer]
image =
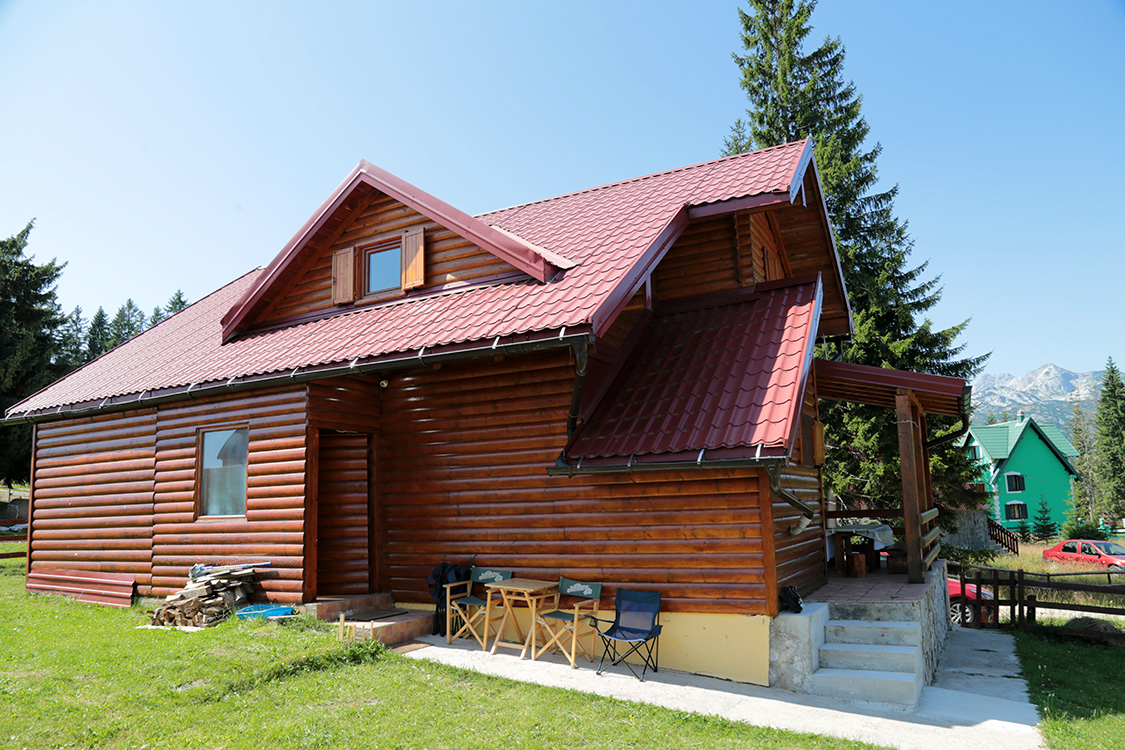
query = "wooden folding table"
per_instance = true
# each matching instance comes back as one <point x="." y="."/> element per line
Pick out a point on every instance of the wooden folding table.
<point x="525" y="592"/>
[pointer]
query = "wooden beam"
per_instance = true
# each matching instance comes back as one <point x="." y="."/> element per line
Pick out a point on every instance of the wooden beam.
<point x="909" y="450"/>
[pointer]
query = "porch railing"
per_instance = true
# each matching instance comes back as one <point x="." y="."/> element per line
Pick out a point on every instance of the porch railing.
<point x="922" y="546"/>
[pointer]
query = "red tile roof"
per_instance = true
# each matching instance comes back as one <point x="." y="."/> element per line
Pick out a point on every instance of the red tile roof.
<point x="609" y="231"/>
<point x="728" y="380"/>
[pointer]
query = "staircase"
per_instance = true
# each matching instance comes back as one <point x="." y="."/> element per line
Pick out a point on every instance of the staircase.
<point x="870" y="661"/>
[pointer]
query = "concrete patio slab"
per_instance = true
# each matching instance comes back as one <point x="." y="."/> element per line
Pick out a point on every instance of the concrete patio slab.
<point x="976" y="700"/>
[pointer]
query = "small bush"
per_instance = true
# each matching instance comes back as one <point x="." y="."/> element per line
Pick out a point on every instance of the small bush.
<point x="967" y="556"/>
<point x="1074" y="529"/>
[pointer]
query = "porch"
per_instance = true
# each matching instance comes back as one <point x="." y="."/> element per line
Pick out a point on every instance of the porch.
<point x="876" y="638"/>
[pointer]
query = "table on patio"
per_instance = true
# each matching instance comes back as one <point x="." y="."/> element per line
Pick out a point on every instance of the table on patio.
<point x="527" y="592"/>
<point x="879" y="533"/>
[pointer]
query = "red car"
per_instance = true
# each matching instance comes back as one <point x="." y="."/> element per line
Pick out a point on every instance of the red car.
<point x="961" y="613"/>
<point x="1089" y="552"/>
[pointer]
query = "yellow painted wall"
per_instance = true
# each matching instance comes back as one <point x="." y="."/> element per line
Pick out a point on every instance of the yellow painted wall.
<point x="733" y="647"/>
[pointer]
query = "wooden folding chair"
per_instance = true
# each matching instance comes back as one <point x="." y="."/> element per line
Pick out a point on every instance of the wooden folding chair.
<point x="475" y="614"/>
<point x="567" y="625"/>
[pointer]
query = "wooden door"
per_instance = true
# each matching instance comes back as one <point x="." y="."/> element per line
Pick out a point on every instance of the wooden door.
<point x="343" y="516"/>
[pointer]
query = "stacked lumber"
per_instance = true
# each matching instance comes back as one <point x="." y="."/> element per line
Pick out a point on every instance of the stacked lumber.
<point x="211" y="595"/>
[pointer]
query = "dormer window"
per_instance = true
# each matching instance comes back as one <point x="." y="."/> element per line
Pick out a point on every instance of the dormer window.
<point x="382" y="264"/>
<point x="387" y="267"/>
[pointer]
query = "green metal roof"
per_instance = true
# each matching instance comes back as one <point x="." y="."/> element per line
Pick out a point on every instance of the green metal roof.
<point x="999" y="440"/>
<point x="1056" y="436"/>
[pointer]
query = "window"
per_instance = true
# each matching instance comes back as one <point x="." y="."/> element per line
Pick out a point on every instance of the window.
<point x="1015" y="482"/>
<point x="974" y="453"/>
<point x="1070" y="547"/>
<point x="222" y="484"/>
<point x="1015" y="511"/>
<point x="384" y="267"/>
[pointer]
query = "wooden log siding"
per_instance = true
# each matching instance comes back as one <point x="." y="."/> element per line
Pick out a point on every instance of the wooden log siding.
<point x="93" y="495"/>
<point x="462" y="460"/>
<point x="351" y="405"/>
<point x="448" y="258"/>
<point x="801" y="560"/>
<point x="273" y="527"/>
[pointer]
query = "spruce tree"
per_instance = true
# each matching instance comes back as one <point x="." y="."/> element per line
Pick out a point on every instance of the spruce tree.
<point x="1043" y="528"/>
<point x="158" y="315"/>
<point x="72" y="342"/>
<point x="176" y="303"/>
<point x="97" y="335"/>
<point x="1083" y="436"/>
<point x="127" y="323"/>
<point x="29" y="319"/>
<point x="794" y="94"/>
<point x="1111" y="442"/>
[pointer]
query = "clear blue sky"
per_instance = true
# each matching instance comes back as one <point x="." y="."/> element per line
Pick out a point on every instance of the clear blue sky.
<point x="178" y="145"/>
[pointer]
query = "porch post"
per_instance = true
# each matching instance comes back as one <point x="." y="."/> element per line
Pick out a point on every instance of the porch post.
<point x="909" y="447"/>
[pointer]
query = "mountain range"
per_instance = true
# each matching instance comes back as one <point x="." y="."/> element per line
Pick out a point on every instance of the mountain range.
<point x="1047" y="393"/>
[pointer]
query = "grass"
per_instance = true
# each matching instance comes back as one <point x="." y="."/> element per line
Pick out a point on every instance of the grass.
<point x="1077" y="686"/>
<point x="76" y="675"/>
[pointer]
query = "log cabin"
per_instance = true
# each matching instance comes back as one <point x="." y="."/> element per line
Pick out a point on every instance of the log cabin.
<point x="614" y="385"/>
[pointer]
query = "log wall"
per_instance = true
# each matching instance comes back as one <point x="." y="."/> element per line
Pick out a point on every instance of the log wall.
<point x="93" y="495"/>
<point x="448" y="259"/>
<point x="463" y="456"/>
<point x="273" y="527"/>
<point x="801" y="560"/>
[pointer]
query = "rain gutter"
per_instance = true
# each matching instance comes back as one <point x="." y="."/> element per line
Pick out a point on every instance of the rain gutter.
<point x="554" y="340"/>
<point x="966" y="397"/>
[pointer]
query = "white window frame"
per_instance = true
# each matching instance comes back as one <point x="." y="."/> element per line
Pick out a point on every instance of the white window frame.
<point x="1007" y="515"/>
<point x="1007" y="484"/>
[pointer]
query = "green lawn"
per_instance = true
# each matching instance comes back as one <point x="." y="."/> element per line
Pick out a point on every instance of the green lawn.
<point x="1078" y="688"/>
<point x="79" y="675"/>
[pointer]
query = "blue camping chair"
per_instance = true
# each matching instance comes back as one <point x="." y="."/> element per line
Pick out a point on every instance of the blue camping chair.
<point x="634" y="631"/>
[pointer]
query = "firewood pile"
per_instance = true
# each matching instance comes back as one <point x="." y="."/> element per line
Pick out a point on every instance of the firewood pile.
<point x="212" y="594"/>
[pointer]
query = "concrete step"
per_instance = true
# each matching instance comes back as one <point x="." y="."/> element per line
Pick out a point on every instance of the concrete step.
<point x="399" y="628"/>
<point x="876" y="633"/>
<point x="331" y="607"/>
<point x="865" y="656"/>
<point x="902" y="688"/>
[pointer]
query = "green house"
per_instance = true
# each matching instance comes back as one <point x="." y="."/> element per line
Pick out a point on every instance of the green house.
<point x="1022" y="461"/>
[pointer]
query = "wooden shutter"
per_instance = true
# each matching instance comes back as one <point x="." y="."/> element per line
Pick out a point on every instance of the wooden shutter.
<point x="343" y="276"/>
<point x="413" y="258"/>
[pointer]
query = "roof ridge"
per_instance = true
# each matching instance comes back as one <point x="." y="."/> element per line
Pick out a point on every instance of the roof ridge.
<point x="731" y="157"/>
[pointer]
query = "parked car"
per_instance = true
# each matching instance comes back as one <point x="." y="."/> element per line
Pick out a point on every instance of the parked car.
<point x="961" y="613"/>
<point x="1089" y="552"/>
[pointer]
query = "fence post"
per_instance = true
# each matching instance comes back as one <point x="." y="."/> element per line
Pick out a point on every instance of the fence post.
<point x="1019" y="598"/>
<point x="1031" y="609"/>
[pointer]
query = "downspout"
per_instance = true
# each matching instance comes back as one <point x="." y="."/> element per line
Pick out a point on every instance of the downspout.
<point x="581" y="366"/>
<point x="808" y="513"/>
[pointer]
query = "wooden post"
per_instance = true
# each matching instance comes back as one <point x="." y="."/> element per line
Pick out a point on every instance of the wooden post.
<point x="1019" y="598"/>
<point x="909" y="453"/>
<point x="312" y="510"/>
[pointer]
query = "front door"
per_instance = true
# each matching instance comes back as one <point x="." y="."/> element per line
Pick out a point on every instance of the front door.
<point x="344" y="515"/>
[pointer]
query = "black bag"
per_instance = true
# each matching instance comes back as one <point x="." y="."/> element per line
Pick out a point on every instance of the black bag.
<point x="790" y="599"/>
<point x="442" y="574"/>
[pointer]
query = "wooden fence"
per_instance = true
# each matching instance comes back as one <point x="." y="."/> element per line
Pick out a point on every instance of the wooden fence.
<point x="4" y="525"/>
<point x="1020" y="593"/>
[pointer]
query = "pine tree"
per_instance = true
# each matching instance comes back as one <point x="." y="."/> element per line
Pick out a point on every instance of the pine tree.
<point x="1111" y="442"/>
<point x="158" y="315"/>
<point x="72" y="342"/>
<point x="1083" y="436"/>
<point x="794" y="95"/>
<point x="97" y="335"/>
<point x="29" y="318"/>
<point x="1023" y="531"/>
<point x="1043" y="528"/>
<point x="127" y="323"/>
<point x="177" y="302"/>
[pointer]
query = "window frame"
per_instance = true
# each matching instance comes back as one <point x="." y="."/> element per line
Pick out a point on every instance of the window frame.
<point x="200" y="432"/>
<point x="387" y="244"/>
<point x="1014" y="475"/>
<point x="1008" y="510"/>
